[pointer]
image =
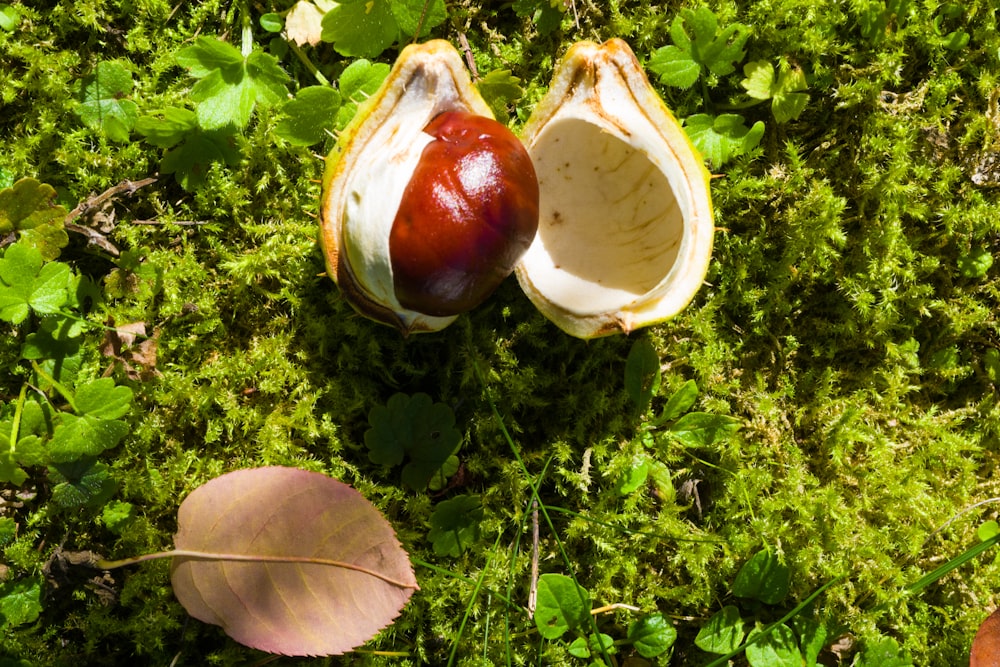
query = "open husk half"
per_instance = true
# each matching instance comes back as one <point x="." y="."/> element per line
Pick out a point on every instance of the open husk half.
<point x="625" y="215"/>
<point x="370" y="168"/>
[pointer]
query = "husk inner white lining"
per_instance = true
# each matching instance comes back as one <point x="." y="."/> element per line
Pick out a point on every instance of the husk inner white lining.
<point x="610" y="226"/>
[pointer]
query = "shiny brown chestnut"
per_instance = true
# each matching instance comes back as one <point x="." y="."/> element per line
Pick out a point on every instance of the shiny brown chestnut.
<point x="468" y="213"/>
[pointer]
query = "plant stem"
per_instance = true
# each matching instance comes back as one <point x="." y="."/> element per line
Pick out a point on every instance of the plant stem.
<point x="304" y="59"/>
<point x="246" y="36"/>
<point x="15" y="427"/>
<point x="63" y="391"/>
<point x="958" y="561"/>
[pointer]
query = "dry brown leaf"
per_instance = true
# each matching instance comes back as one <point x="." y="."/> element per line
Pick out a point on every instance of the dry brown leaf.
<point x="986" y="644"/>
<point x="303" y="25"/>
<point x="320" y="569"/>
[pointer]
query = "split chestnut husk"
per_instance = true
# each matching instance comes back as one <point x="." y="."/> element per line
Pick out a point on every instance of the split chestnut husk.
<point x="625" y="221"/>
<point x="428" y="202"/>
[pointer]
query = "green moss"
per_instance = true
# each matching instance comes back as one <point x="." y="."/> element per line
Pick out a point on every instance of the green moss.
<point x="836" y="324"/>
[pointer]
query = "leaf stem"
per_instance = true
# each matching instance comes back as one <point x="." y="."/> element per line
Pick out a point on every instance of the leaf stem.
<point x="304" y="59"/>
<point x="15" y="426"/>
<point x="63" y="391"/>
<point x="246" y="36"/>
<point x="248" y="558"/>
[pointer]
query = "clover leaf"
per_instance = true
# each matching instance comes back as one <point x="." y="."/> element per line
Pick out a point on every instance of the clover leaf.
<point x="699" y="46"/>
<point x="721" y="138"/>
<point x="366" y="28"/>
<point x="29" y="284"/>
<point x="103" y="101"/>
<point x="310" y="117"/>
<point x="231" y="86"/>
<point x="455" y="525"/>
<point x="415" y="429"/>
<point x="784" y="90"/>
<point x="28" y="207"/>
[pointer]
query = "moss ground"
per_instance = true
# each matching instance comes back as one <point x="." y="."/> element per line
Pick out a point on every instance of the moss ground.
<point x="844" y="323"/>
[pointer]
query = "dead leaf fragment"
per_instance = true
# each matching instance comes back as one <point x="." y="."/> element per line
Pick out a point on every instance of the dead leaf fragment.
<point x="295" y="606"/>
<point x="303" y="25"/>
<point x="138" y="361"/>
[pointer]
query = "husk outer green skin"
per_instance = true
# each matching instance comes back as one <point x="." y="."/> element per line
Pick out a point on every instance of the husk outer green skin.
<point x="579" y="73"/>
<point x="436" y="66"/>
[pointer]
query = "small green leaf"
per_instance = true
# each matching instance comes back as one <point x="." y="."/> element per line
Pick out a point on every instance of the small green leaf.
<point x="680" y="402"/>
<point x="788" y="101"/>
<point x="561" y="606"/>
<point x="498" y="88"/>
<point x="812" y="638"/>
<point x="190" y="161"/>
<point x="272" y="22"/>
<point x="455" y="525"/>
<point x="416" y="429"/>
<point x="698" y="46"/>
<point x="310" y="117"/>
<point x="721" y="138"/>
<point x="20" y="601"/>
<point x="723" y="633"/>
<point x="8" y="530"/>
<point x="763" y="578"/>
<point x="674" y="67"/>
<point x="779" y="648"/>
<point x="885" y="652"/>
<point x="77" y="437"/>
<point x="208" y="55"/>
<point x="166" y="128"/>
<point x="116" y="516"/>
<point x="988" y="530"/>
<point x="642" y="373"/>
<point x="103" y="399"/>
<point x="228" y="93"/>
<point x="104" y="106"/>
<point x="759" y="79"/>
<point x="703" y="429"/>
<point x="28" y="207"/>
<point x="546" y="15"/>
<point x="10" y="471"/>
<point x="357" y="82"/>
<point x="26" y="284"/>
<point x="439" y="479"/>
<point x="584" y="647"/>
<point x="634" y="476"/>
<point x="83" y="483"/>
<point x="408" y="14"/>
<point x="652" y="635"/>
<point x="360" y="28"/>
<point x="10" y="18"/>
